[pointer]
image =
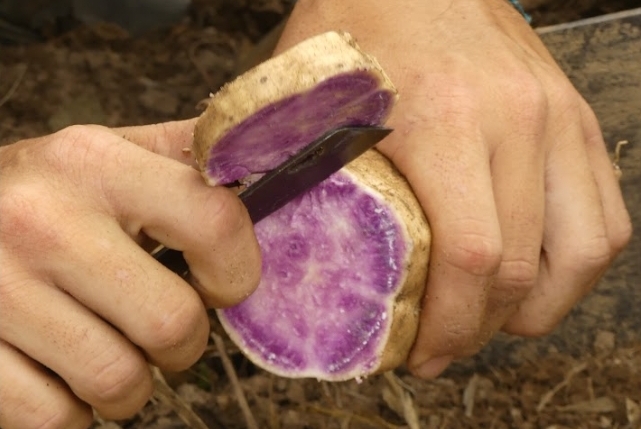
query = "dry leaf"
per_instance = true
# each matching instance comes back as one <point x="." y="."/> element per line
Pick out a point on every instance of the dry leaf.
<point x="632" y="411"/>
<point x="400" y="400"/>
<point x="603" y="404"/>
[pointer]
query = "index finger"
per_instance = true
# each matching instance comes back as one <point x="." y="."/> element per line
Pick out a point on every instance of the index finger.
<point x="451" y="178"/>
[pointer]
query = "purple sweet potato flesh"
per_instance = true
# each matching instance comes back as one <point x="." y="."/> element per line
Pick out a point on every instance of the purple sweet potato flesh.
<point x="279" y="130"/>
<point x="333" y="261"/>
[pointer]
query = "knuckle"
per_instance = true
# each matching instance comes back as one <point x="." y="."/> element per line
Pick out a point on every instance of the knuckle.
<point x="528" y="97"/>
<point x="73" y="149"/>
<point x="526" y="89"/>
<point x="227" y="213"/>
<point x="476" y="253"/>
<point x="451" y="97"/>
<point x="621" y="235"/>
<point x="592" y="253"/>
<point x="465" y="338"/>
<point x="65" y="417"/>
<point x="182" y="327"/>
<point x="458" y="102"/>
<point x="591" y="128"/>
<point x="16" y="213"/>
<point x="41" y="414"/>
<point x="565" y="99"/>
<point x="79" y="134"/>
<point x="540" y="327"/>
<point x="66" y="144"/>
<point x="114" y="381"/>
<point x="518" y="275"/>
<point x="27" y="216"/>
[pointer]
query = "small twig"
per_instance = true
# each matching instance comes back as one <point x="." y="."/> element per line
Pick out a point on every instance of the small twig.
<point x="617" y="158"/>
<point x="590" y="389"/>
<point x="617" y="150"/>
<point x="165" y="394"/>
<point x="22" y="70"/>
<point x="469" y="395"/>
<point x="405" y="400"/>
<point x="233" y="378"/>
<point x="327" y="393"/>
<point x="446" y="422"/>
<point x="545" y="399"/>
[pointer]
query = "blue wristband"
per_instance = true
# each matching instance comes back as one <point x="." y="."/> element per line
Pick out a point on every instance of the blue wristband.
<point x="518" y="7"/>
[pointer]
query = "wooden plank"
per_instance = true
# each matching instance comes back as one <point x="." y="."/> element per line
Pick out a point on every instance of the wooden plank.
<point x="602" y="57"/>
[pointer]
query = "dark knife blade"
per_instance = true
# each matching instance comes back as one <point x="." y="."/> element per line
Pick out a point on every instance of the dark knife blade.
<point x="310" y="166"/>
<point x="313" y="164"/>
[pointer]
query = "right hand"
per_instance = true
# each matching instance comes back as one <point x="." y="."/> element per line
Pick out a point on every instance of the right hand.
<point x="505" y="156"/>
<point x="83" y="307"/>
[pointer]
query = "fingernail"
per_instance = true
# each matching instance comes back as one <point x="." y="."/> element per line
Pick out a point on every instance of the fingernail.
<point x="433" y="367"/>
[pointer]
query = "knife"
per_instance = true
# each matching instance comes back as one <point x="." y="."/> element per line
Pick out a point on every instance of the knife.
<point x="299" y="173"/>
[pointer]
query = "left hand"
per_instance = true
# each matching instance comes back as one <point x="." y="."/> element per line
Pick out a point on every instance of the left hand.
<point x="506" y="158"/>
<point x="84" y="309"/>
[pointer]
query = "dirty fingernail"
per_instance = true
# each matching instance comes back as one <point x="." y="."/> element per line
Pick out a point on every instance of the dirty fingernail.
<point x="433" y="367"/>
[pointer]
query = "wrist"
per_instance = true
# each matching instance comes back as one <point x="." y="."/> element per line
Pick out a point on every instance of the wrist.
<point x="517" y="5"/>
<point x="365" y="19"/>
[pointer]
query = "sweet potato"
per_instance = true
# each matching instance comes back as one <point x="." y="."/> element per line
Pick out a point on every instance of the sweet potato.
<point x="344" y="265"/>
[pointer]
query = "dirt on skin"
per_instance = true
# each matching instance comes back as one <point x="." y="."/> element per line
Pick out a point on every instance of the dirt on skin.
<point x="103" y="75"/>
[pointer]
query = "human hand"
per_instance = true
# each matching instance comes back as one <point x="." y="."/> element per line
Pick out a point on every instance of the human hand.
<point x="83" y="307"/>
<point x="506" y="158"/>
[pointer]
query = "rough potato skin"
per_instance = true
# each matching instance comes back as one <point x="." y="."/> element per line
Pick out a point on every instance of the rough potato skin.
<point x="372" y="169"/>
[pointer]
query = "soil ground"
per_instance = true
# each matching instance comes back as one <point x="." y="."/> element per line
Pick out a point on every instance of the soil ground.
<point x="102" y="75"/>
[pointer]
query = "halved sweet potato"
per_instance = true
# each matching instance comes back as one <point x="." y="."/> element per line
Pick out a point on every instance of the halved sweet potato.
<point x="344" y="265"/>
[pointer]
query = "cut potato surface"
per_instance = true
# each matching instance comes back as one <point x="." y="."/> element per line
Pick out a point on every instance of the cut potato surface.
<point x="342" y="280"/>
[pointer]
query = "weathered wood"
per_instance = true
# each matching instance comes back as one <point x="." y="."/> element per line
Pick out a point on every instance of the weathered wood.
<point x="602" y="57"/>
